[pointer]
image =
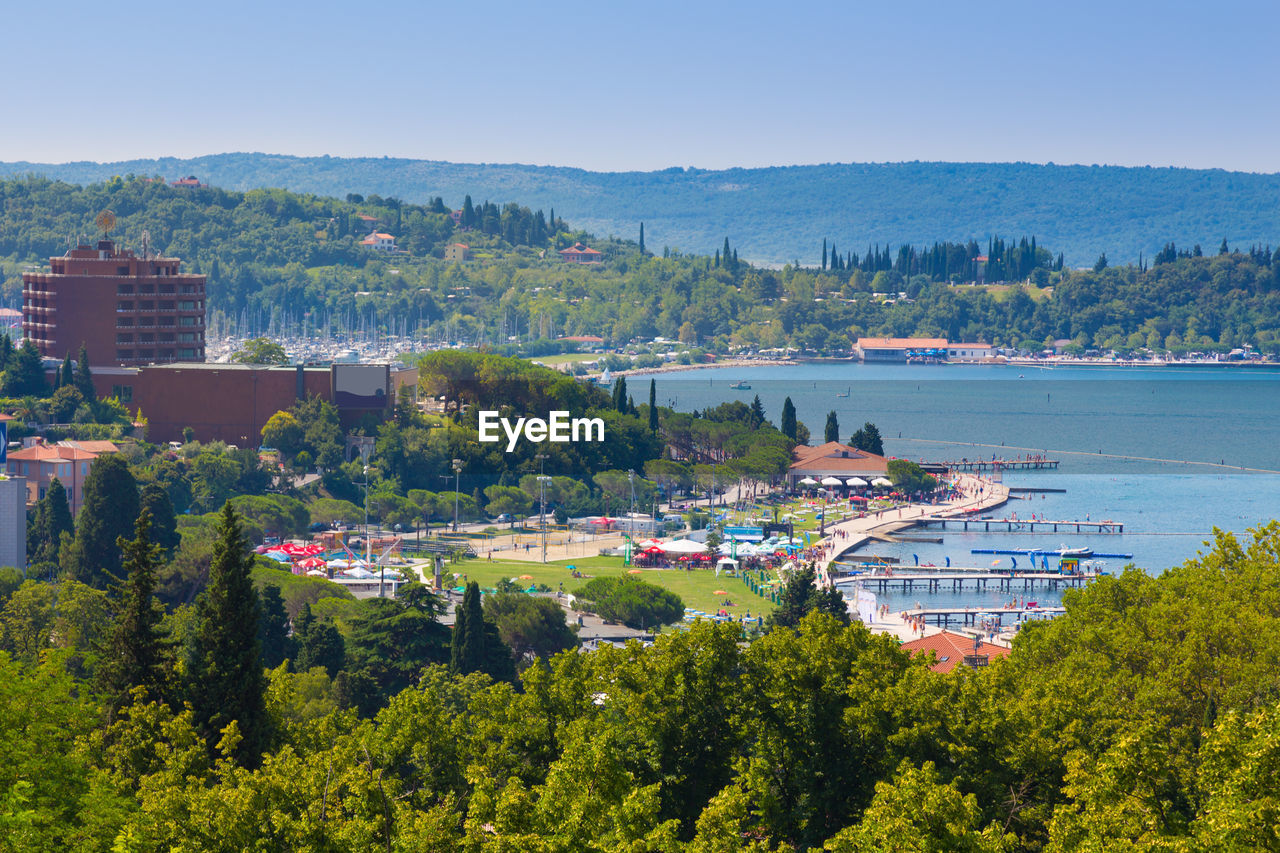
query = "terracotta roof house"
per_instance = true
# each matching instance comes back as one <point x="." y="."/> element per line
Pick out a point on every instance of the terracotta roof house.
<point x="380" y="242"/>
<point x="43" y="462"/>
<point x="580" y="254"/>
<point x="190" y="181"/>
<point x="954" y="649"/>
<point x="456" y="253"/>
<point x="834" y="459"/>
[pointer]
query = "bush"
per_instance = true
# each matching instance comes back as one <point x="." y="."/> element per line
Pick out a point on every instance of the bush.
<point x="632" y="602"/>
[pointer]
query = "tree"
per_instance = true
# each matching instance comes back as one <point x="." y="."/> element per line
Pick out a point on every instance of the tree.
<point x="108" y="513"/>
<point x="137" y="654"/>
<point x="273" y="628"/>
<point x="391" y="640"/>
<point x="164" y="523"/>
<point x="909" y="477"/>
<point x="65" y="377"/>
<point x="757" y="413"/>
<point x="283" y="432"/>
<point x="24" y="375"/>
<point x="868" y="439"/>
<point x="653" y="405"/>
<point x="801" y="596"/>
<point x="50" y="520"/>
<point x="832" y="431"/>
<point x="84" y="378"/>
<point x="1100" y="264"/>
<point x="319" y="644"/>
<point x="533" y="628"/>
<point x="788" y="420"/>
<point x="225" y="682"/>
<point x="632" y="602"/>
<point x="507" y="500"/>
<point x="261" y="351"/>
<point x="642" y="238"/>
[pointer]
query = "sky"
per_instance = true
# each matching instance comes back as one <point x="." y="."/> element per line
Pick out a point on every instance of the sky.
<point x="650" y="84"/>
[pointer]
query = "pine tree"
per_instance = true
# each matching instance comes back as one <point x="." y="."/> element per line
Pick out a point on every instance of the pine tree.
<point x="225" y="682"/>
<point x="6" y="351"/>
<point x="137" y="652"/>
<point x="57" y="520"/>
<point x="84" y="379"/>
<point x="824" y="253"/>
<point x="164" y="522"/>
<point x="1222" y="250"/>
<point x="642" y="238"/>
<point x="24" y="374"/>
<point x="319" y="644"/>
<point x="107" y="513"/>
<point x="66" y="375"/>
<point x="653" y="405"/>
<point x="757" y="413"/>
<point x="788" y="420"/>
<point x="832" y="431"/>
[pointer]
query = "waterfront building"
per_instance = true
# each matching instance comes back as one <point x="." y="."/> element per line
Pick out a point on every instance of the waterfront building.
<point x="954" y="650"/>
<point x="834" y="459"/>
<point x="124" y="309"/>
<point x="970" y="352"/>
<point x="900" y="350"/>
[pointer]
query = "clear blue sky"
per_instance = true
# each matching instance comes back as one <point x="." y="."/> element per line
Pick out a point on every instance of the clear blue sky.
<point x="647" y="85"/>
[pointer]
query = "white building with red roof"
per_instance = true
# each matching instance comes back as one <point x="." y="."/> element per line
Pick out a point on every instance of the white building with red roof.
<point x="580" y="254"/>
<point x="380" y="242"/>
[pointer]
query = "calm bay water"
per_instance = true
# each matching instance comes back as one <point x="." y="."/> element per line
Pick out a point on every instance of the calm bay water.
<point x="1172" y="452"/>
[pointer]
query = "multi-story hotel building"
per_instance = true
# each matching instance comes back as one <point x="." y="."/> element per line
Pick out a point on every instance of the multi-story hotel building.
<point x="126" y="310"/>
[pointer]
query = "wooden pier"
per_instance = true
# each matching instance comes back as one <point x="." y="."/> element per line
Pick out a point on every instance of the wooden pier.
<point x="999" y="464"/>
<point x="1023" y="525"/>
<point x="942" y="616"/>
<point x="955" y="581"/>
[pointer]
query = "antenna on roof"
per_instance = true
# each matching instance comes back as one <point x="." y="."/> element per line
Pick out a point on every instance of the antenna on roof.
<point x="146" y="245"/>
<point x="106" y="221"/>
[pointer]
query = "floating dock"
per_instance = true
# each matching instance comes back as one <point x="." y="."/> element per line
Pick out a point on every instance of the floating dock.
<point x="1022" y="525"/>
<point x="1033" y="553"/>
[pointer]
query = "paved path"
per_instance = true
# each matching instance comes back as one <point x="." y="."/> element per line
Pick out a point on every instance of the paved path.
<point x="977" y="494"/>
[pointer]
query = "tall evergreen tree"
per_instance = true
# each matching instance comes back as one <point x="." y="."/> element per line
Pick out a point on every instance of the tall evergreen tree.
<point x="832" y="431"/>
<point x="788" y="421"/>
<point x="620" y="395"/>
<point x="642" y="238"/>
<point x="6" y="351"/>
<point x="24" y="374"/>
<point x="757" y="413"/>
<point x="107" y="513"/>
<point x="52" y="518"/>
<point x="66" y="374"/>
<point x="273" y="628"/>
<point x="868" y="439"/>
<point x="653" y="405"/>
<point x="466" y="651"/>
<point x="164" y="522"/>
<point x="84" y="379"/>
<point x="319" y="644"/>
<point x="137" y="652"/>
<point x="225" y="682"/>
<point x="824" y="253"/>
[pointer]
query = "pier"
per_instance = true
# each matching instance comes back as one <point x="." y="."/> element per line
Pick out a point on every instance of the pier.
<point x="955" y="581"/>
<point x="1033" y="464"/>
<point x="1023" y="525"/>
<point x="942" y="616"/>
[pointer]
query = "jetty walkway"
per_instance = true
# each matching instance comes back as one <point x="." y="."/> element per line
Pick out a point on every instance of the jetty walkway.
<point x="1033" y="463"/>
<point x="1027" y="525"/>
<point x="934" y="582"/>
<point x="942" y="616"/>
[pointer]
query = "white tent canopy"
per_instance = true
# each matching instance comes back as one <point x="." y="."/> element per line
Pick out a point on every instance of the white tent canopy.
<point x="682" y="546"/>
<point x="855" y="481"/>
<point x="832" y="481"/>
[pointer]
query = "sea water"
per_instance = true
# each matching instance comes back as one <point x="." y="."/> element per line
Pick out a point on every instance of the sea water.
<point x="1172" y="452"/>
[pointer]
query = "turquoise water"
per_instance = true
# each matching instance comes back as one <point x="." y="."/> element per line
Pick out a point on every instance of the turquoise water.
<point x="1171" y="452"/>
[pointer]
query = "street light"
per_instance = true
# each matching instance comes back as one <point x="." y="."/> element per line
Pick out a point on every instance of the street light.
<point x="457" y="482"/>
<point x="543" y="479"/>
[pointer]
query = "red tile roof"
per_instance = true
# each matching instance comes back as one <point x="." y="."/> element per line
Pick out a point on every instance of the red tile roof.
<point x="46" y="452"/>
<point x="951" y="649"/>
<point x="835" y="458"/>
<point x="902" y="343"/>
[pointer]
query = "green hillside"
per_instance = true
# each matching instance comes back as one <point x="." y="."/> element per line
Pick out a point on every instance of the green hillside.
<point x="781" y="214"/>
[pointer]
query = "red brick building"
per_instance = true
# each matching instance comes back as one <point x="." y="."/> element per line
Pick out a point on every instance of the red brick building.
<point x="125" y="310"/>
<point x="232" y="402"/>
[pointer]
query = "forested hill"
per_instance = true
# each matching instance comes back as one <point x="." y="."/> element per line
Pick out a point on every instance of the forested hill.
<point x="781" y="214"/>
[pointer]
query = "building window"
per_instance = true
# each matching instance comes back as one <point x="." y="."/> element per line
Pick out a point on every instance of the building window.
<point x="166" y="337"/>
<point x="146" y="305"/>
<point x="187" y="321"/>
<point x="124" y="322"/>
<point x="166" y="288"/>
<point x="122" y="270"/>
<point x="147" y="288"/>
<point x="124" y="290"/>
<point x="124" y="339"/>
<point x="186" y="353"/>
<point x="187" y="305"/>
<point x="166" y="305"/>
<point x="146" y="353"/>
<point x="123" y="354"/>
<point x="126" y="305"/>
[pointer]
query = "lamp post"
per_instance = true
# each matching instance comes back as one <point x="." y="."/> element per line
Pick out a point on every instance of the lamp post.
<point x="543" y="479"/>
<point x="457" y="482"/>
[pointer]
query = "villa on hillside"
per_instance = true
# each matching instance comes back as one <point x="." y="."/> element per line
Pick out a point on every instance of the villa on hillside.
<point x="580" y="254"/>
<point x="456" y="253"/>
<point x="380" y="242"/>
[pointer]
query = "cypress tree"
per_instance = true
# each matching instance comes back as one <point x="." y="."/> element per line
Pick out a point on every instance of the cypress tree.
<point x="788" y="420"/>
<point x="757" y="413"/>
<point x="653" y="405"/>
<point x="273" y="628"/>
<point x="824" y="253"/>
<point x="6" y="351"/>
<point x="832" y="431"/>
<point x="164" y="523"/>
<point x="225" y="682"/>
<point x="466" y="651"/>
<point x="52" y="519"/>
<point x="642" y="238"/>
<point x="84" y="379"/>
<point x="137" y="652"/>
<point x="109" y="509"/>
<point x="24" y="374"/>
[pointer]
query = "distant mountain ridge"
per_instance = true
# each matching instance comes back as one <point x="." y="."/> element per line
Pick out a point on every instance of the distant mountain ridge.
<point x="783" y="213"/>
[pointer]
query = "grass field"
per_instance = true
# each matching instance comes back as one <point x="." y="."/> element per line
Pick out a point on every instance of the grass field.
<point x="565" y="358"/>
<point x="696" y="588"/>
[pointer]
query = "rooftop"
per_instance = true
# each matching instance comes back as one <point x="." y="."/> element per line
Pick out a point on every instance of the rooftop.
<point x="952" y="648"/>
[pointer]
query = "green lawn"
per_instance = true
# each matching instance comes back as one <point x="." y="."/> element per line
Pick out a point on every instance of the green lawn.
<point x="696" y="588"/>
<point x="565" y="358"/>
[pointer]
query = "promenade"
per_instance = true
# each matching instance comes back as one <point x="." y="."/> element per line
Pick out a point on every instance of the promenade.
<point x="976" y="495"/>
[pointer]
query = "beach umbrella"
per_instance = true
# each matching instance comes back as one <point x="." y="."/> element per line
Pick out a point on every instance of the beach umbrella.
<point x="720" y="592"/>
<point x="881" y="481"/>
<point x="855" y="481"/>
<point x="633" y="571"/>
<point x="808" y="481"/>
<point x="316" y="573"/>
<point x="526" y="577"/>
<point x="832" y="481"/>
